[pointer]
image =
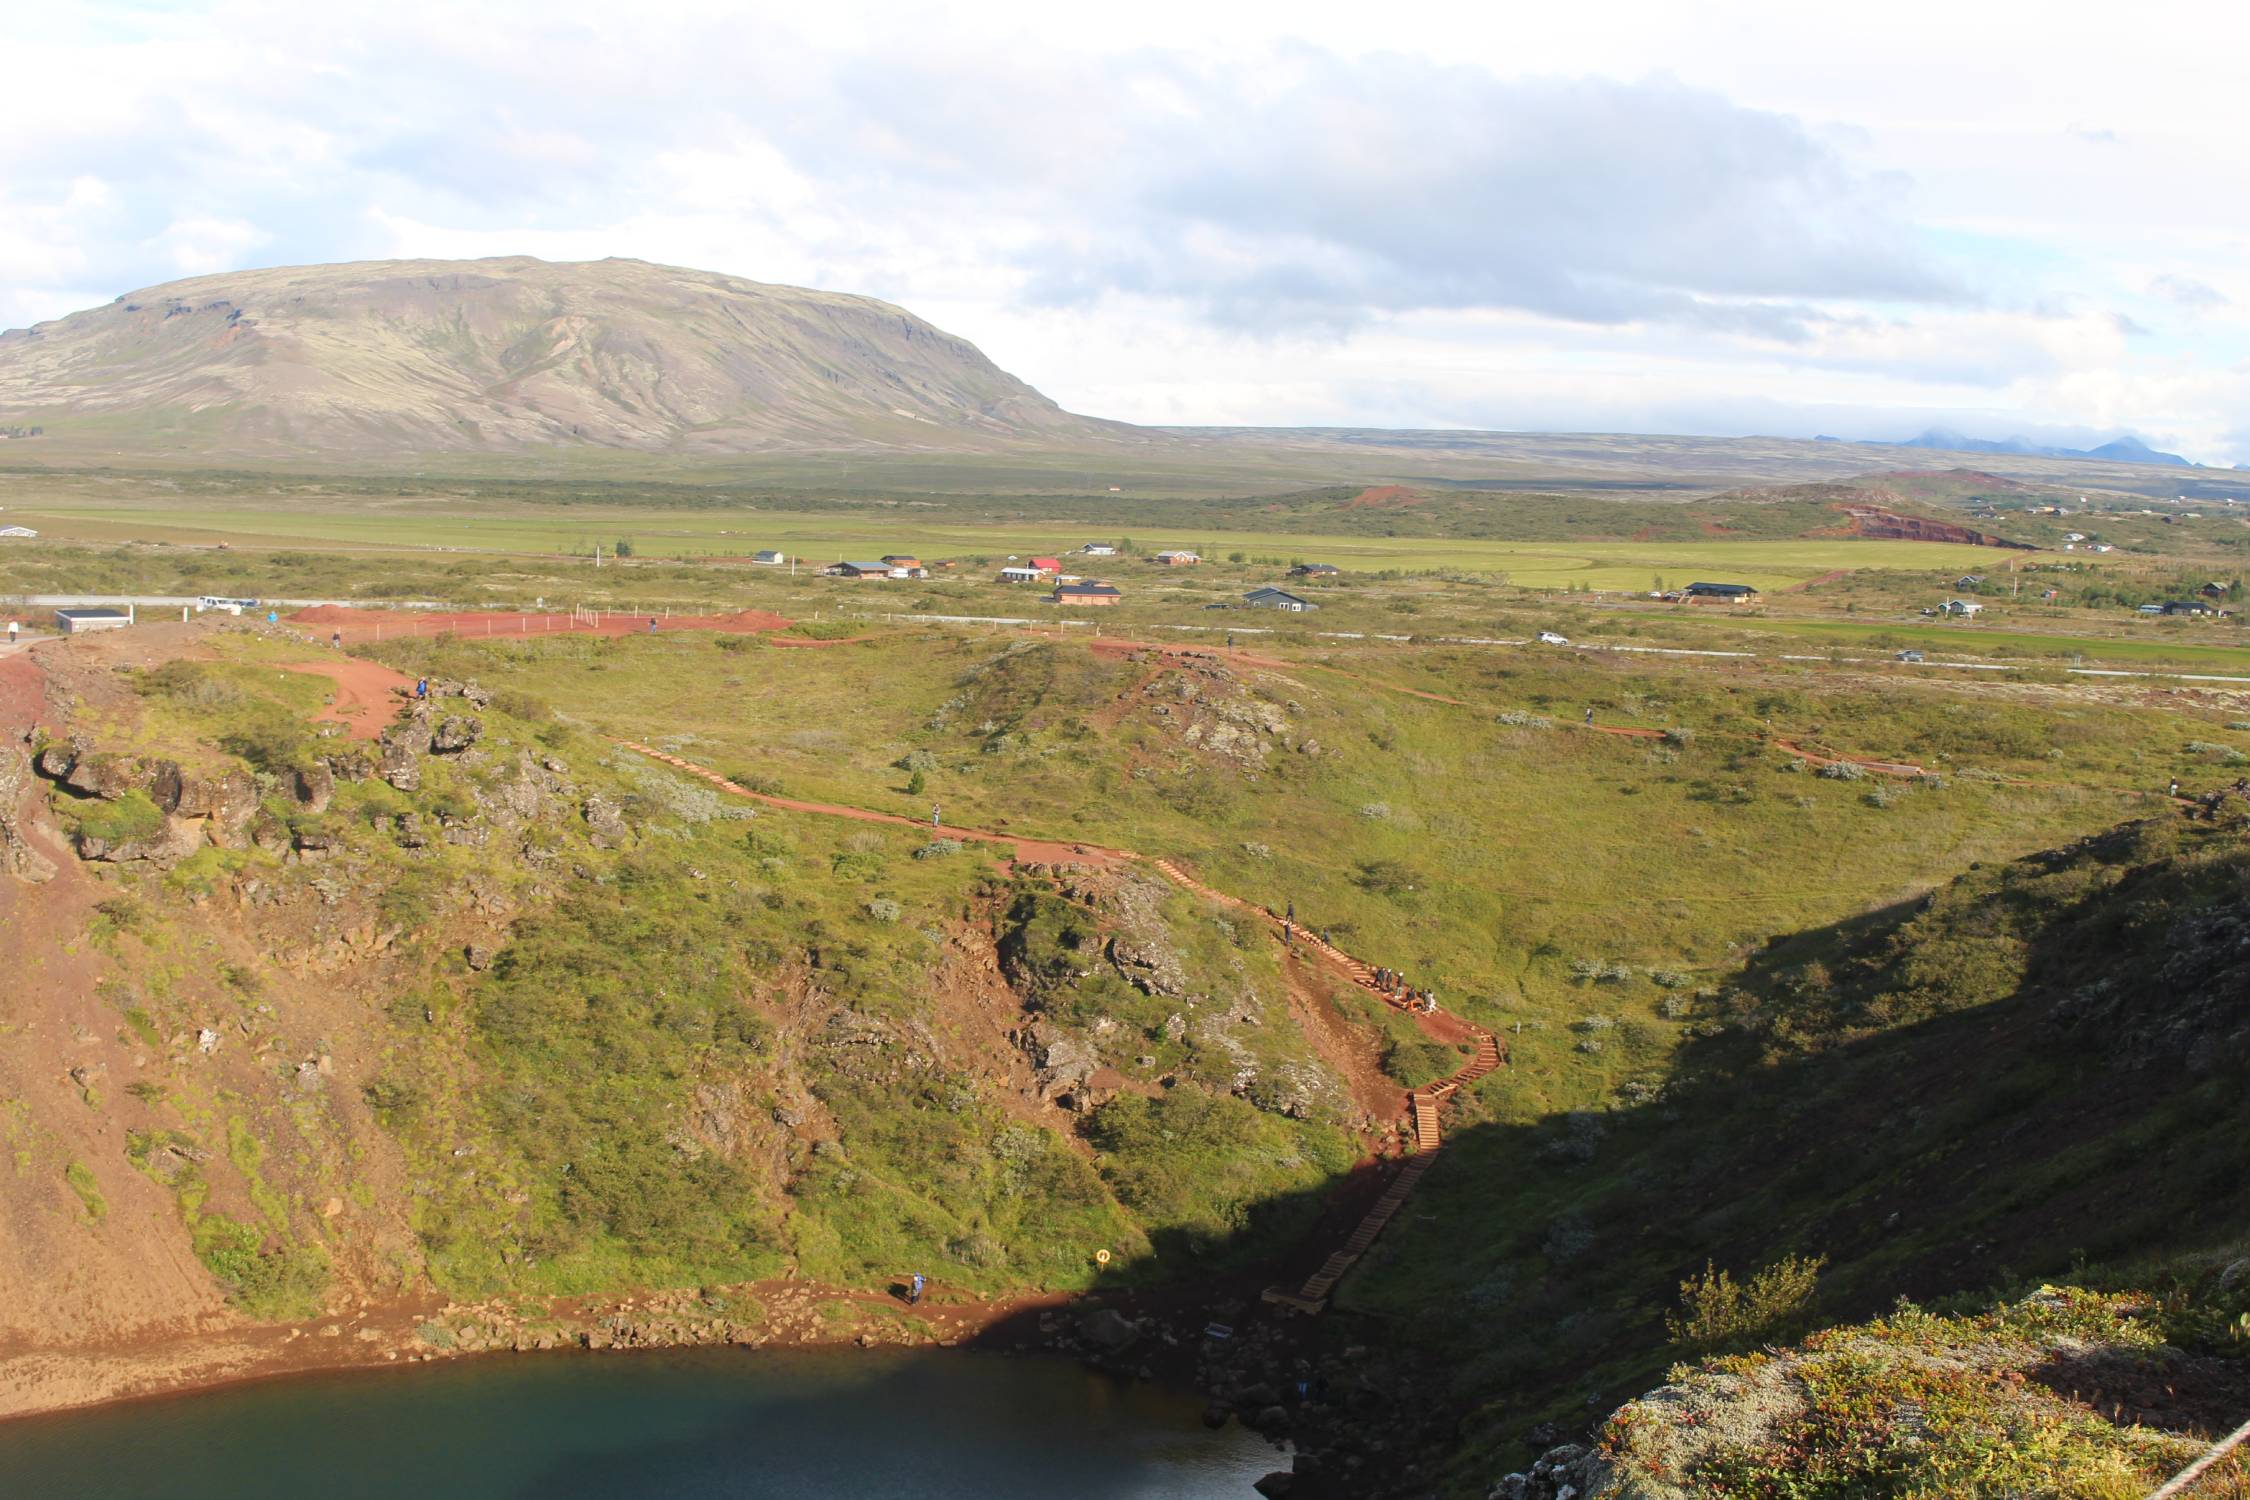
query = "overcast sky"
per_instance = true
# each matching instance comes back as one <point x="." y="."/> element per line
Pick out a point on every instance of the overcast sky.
<point x="1714" y="218"/>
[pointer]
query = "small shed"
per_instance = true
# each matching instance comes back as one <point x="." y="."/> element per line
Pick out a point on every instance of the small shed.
<point x="1273" y="598"/>
<point x="770" y="558"/>
<point x="1179" y="558"/>
<point x="80" y="621"/>
<point x="1314" y="570"/>
<point x="1099" y="549"/>
<point x="1016" y="574"/>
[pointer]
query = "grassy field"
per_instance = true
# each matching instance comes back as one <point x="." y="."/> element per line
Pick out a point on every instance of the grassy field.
<point x="825" y="537"/>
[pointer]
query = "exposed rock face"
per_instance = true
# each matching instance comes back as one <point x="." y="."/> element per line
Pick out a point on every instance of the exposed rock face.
<point x="1064" y="1059"/>
<point x="605" y="824"/>
<point x="17" y="857"/>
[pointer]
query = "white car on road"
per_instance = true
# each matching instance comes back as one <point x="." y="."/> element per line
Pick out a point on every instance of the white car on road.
<point x="1549" y="638"/>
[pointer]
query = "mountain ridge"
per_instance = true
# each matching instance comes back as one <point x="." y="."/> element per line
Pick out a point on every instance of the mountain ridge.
<point x="517" y="352"/>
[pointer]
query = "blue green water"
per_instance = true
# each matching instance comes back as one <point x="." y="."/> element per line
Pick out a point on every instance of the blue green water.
<point x="717" y="1423"/>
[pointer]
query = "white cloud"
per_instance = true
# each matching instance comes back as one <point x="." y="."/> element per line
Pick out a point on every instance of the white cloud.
<point x="1262" y="212"/>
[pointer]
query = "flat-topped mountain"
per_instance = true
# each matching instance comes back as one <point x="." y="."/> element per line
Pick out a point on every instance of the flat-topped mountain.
<point x="427" y="355"/>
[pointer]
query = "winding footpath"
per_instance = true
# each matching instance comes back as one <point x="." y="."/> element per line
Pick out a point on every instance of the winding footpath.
<point x="1488" y="1050"/>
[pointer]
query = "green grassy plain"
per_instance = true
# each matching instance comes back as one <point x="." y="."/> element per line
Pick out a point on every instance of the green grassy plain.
<point x="823" y="537"/>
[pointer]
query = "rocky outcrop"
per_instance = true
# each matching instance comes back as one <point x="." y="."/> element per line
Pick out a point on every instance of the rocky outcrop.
<point x="197" y="806"/>
<point x="17" y="856"/>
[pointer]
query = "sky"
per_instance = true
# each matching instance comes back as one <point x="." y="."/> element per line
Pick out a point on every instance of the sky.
<point x="1719" y="218"/>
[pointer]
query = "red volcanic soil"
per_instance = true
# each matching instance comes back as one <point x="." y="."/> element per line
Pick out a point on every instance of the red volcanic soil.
<point x="23" y="694"/>
<point x="385" y="624"/>
<point x="366" y="692"/>
<point x="1385" y="497"/>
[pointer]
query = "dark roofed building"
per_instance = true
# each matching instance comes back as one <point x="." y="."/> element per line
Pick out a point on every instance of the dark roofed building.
<point x="1273" y="598"/>
<point x="1314" y="570"/>
<point x="1732" y="593"/>
<point x="1085" y="593"/>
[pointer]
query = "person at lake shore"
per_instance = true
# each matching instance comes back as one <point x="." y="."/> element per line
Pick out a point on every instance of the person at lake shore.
<point x="914" y="1290"/>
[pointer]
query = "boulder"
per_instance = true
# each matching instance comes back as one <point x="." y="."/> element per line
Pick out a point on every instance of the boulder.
<point x="227" y="800"/>
<point x="455" y="735"/>
<point x="1277" y="1484"/>
<point x="313" y="787"/>
<point x="106" y="776"/>
<point x="1106" y="1328"/>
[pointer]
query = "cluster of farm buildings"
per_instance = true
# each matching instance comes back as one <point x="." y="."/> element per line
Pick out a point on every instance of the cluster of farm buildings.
<point x="1065" y="586"/>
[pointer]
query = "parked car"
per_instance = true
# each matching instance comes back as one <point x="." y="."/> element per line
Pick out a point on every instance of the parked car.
<point x="1549" y="638"/>
<point x="1910" y="656"/>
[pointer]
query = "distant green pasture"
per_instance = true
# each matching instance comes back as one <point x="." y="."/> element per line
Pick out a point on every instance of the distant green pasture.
<point x="822" y="538"/>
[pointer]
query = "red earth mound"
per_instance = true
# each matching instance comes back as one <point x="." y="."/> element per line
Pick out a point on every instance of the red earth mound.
<point x="387" y="624"/>
<point x="1385" y="496"/>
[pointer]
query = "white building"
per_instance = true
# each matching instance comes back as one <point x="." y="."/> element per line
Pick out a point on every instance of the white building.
<point x="22" y="532"/>
<point x="83" y="621"/>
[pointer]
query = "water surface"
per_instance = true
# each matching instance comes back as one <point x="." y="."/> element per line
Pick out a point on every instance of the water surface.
<point x="727" y="1424"/>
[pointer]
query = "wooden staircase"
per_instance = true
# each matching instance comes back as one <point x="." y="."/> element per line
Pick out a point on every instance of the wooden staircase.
<point x="1490" y="1053"/>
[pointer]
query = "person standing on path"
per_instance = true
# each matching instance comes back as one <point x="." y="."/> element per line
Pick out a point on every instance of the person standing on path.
<point x="1589" y="718"/>
<point x="2175" y="788"/>
<point x="914" y="1291"/>
<point x="934" y="816"/>
<point x="336" y="640"/>
<point x="13" y="627"/>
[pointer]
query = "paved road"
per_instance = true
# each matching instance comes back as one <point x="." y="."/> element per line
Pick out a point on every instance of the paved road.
<point x="159" y="601"/>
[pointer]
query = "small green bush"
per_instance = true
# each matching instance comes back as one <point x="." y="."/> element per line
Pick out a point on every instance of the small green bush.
<point x="1719" y="1313"/>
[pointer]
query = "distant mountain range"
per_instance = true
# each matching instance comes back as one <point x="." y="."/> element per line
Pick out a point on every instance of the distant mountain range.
<point x="2125" y="450"/>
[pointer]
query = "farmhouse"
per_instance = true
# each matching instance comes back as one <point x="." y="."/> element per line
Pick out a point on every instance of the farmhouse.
<point x="1099" y="549"/>
<point x="1726" y="593"/>
<point x="1963" y="607"/>
<point x="1273" y="598"/>
<point x="81" y="621"/>
<point x="1020" y="575"/>
<point x="1047" y="564"/>
<point x="2213" y="590"/>
<point x="1314" y="570"/>
<point x="1178" y="559"/>
<point x="770" y="558"/>
<point x="21" y="532"/>
<point x="1085" y="593"/>
<point x="2188" y="607"/>
<point x="857" y="570"/>
<point x="1968" y="580"/>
